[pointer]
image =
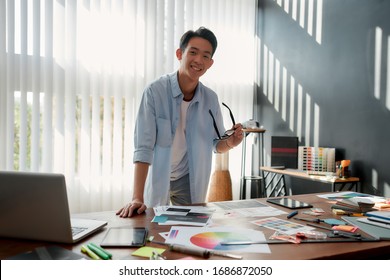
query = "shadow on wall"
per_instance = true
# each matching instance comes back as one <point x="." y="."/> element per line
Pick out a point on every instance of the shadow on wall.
<point x="323" y="77"/>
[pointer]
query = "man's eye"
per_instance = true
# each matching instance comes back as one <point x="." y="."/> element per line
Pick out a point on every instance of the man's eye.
<point x="193" y="52"/>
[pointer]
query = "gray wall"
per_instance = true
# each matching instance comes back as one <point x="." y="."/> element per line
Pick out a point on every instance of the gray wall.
<point x="336" y="75"/>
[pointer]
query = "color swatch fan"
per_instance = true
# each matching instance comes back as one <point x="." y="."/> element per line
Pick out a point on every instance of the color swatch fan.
<point x="213" y="240"/>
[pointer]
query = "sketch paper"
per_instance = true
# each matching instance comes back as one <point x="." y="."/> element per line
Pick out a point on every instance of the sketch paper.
<point x="248" y="208"/>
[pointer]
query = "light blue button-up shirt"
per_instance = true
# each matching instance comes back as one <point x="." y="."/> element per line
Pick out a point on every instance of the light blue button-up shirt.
<point x="155" y="128"/>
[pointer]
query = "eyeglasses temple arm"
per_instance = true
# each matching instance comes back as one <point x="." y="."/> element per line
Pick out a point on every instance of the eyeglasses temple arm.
<point x="231" y="114"/>
<point x="215" y="124"/>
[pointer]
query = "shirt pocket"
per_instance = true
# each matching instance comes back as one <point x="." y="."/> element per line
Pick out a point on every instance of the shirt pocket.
<point x="164" y="134"/>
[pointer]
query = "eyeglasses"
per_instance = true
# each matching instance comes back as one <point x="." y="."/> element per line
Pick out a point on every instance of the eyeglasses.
<point x="227" y="133"/>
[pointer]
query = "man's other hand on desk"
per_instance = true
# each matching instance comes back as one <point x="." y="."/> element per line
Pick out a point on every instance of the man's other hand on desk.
<point x="131" y="209"/>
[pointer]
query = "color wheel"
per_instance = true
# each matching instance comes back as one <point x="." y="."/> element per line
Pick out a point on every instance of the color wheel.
<point x="212" y="240"/>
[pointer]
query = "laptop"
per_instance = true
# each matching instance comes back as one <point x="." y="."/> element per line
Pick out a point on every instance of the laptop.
<point x="35" y="206"/>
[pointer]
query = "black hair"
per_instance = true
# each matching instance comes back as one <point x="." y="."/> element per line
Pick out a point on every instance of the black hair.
<point x="201" y="32"/>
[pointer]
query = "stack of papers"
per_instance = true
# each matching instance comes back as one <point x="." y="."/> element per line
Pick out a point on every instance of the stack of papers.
<point x="346" y="195"/>
<point x="183" y="215"/>
<point x="382" y="205"/>
<point x="355" y="204"/>
<point x="348" y="200"/>
<point x="377" y="218"/>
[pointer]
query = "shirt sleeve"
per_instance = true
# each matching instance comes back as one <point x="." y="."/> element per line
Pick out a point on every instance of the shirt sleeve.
<point x="216" y="110"/>
<point x="145" y="129"/>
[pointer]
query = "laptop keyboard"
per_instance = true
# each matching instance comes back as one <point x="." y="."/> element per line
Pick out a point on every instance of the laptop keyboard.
<point x="77" y="230"/>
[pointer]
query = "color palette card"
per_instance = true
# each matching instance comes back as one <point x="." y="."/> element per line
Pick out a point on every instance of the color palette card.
<point x="283" y="226"/>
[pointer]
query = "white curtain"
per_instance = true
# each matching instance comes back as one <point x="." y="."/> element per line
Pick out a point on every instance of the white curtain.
<point x="72" y="74"/>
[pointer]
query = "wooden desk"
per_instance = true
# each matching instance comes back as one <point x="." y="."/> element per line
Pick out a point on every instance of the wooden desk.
<point x="344" y="250"/>
<point x="274" y="181"/>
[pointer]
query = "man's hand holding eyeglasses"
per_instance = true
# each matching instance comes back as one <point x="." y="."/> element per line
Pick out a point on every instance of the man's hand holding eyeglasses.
<point x="237" y="136"/>
<point x="234" y="139"/>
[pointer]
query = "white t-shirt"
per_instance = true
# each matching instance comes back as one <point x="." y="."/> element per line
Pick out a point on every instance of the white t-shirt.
<point x="179" y="161"/>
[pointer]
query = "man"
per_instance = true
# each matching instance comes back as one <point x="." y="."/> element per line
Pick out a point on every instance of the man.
<point x="175" y="133"/>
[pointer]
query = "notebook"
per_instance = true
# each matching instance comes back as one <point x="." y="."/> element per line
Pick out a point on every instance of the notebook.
<point x="35" y="206"/>
<point x="375" y="222"/>
<point x="379" y="214"/>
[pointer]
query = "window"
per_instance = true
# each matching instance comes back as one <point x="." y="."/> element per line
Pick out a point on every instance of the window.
<point x="74" y="73"/>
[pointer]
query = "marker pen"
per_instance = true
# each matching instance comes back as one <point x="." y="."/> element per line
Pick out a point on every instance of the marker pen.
<point x="88" y="251"/>
<point x="292" y="214"/>
<point x="98" y="252"/>
<point x="101" y="249"/>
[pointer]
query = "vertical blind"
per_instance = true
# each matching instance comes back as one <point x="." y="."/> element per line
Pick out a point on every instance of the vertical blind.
<point x="72" y="74"/>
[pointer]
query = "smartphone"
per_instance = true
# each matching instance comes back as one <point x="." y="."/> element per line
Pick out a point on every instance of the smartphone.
<point x="125" y="237"/>
<point x="289" y="203"/>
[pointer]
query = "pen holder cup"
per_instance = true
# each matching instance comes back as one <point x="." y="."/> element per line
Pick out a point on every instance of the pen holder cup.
<point x="344" y="172"/>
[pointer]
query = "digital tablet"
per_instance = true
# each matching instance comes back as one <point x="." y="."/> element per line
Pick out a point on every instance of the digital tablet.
<point x="125" y="237"/>
<point x="289" y="203"/>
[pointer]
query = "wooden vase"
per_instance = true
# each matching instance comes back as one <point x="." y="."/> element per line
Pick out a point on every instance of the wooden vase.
<point x="220" y="186"/>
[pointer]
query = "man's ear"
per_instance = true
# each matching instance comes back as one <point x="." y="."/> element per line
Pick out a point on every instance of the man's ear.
<point x="179" y="54"/>
<point x="211" y="62"/>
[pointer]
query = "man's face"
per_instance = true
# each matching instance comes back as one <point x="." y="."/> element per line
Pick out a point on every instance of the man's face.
<point x="196" y="58"/>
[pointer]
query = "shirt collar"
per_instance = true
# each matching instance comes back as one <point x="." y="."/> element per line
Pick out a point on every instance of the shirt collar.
<point x="176" y="91"/>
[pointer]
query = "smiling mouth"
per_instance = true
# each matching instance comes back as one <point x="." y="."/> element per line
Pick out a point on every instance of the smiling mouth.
<point x="196" y="68"/>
